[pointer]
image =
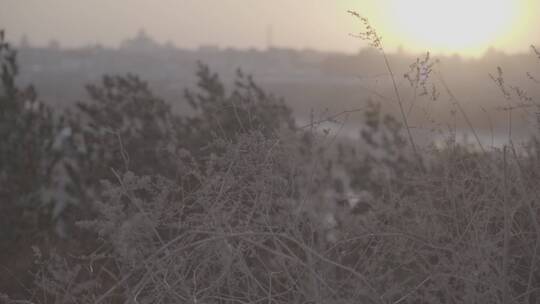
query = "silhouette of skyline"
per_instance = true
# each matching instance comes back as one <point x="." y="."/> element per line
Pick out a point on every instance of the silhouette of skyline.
<point x="142" y="40"/>
<point x="315" y="24"/>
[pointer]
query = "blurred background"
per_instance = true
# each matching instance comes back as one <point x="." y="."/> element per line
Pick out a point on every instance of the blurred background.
<point x="300" y="50"/>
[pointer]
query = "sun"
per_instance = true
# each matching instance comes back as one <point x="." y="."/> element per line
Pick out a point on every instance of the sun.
<point x="452" y="26"/>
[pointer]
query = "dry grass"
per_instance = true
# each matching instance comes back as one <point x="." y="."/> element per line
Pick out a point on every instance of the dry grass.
<point x="464" y="231"/>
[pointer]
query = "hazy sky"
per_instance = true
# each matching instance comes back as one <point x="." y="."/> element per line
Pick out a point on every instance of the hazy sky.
<point x="317" y="24"/>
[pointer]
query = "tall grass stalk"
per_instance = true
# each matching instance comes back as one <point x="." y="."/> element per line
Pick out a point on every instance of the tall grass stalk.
<point x="370" y="34"/>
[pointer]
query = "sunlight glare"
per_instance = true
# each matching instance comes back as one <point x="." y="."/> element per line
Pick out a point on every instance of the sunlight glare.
<point x="464" y="26"/>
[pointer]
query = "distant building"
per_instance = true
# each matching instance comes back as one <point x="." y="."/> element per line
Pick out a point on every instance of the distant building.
<point x="493" y="54"/>
<point x="170" y="45"/>
<point x="269" y="37"/>
<point x="54" y="45"/>
<point x="142" y="42"/>
<point x="24" y="43"/>
<point x="209" y="49"/>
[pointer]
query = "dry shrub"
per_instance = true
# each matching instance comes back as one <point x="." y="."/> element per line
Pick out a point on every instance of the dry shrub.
<point x="234" y="235"/>
<point x="233" y="230"/>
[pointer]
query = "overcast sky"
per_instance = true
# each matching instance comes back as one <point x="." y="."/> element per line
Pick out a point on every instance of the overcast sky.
<point x="317" y="24"/>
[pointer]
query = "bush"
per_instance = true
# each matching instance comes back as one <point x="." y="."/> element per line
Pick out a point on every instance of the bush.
<point x="31" y="195"/>
<point x="126" y="127"/>
<point x="123" y="127"/>
<point x="235" y="236"/>
<point x="219" y="114"/>
<point x="467" y="234"/>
